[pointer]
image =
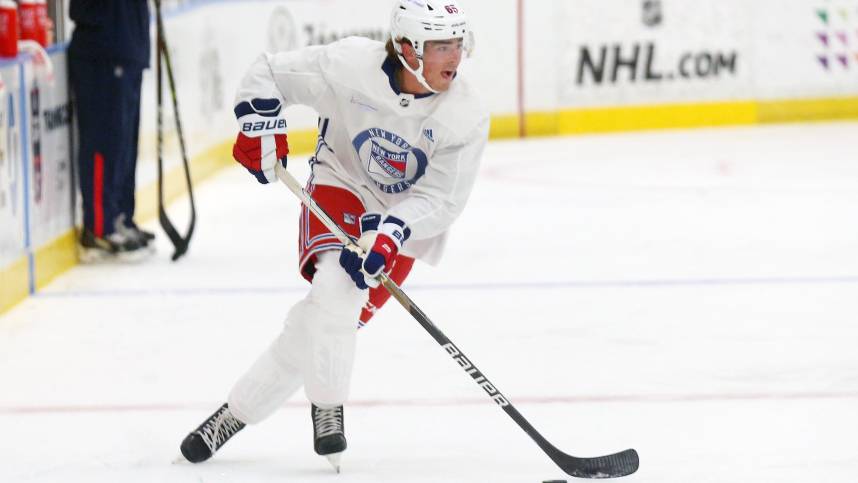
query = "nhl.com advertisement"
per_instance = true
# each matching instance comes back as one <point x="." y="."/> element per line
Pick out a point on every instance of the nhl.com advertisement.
<point x="638" y="61"/>
<point x="650" y="51"/>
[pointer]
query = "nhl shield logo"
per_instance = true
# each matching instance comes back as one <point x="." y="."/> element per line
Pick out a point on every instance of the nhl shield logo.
<point x="393" y="164"/>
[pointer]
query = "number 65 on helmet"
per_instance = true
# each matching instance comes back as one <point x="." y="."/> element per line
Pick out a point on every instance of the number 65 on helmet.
<point x="421" y="21"/>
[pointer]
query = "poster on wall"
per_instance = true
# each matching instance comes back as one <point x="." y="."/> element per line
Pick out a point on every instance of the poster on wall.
<point x="12" y="215"/>
<point x="47" y="150"/>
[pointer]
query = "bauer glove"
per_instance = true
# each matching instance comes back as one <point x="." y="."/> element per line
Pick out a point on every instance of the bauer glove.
<point x="351" y="258"/>
<point x="261" y="142"/>
<point x="388" y="241"/>
<point x="381" y="242"/>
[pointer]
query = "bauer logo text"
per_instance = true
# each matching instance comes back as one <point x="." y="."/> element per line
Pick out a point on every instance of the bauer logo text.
<point x="496" y="396"/>
<point x="263" y="125"/>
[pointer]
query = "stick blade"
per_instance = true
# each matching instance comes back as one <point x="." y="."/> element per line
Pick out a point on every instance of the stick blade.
<point x="180" y="244"/>
<point x="615" y="465"/>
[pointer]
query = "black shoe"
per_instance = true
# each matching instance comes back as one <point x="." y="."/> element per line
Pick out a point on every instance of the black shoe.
<point x="204" y="441"/>
<point x="112" y="247"/>
<point x="329" y="438"/>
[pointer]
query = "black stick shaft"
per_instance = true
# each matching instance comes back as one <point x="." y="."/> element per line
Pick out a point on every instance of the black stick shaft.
<point x="159" y="110"/>
<point x="175" y="99"/>
<point x="180" y="243"/>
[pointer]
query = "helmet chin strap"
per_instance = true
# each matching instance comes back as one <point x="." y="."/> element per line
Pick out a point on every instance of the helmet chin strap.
<point x="418" y="73"/>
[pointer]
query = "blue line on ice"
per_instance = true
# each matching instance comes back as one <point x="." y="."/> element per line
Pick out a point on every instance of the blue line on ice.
<point x="487" y="286"/>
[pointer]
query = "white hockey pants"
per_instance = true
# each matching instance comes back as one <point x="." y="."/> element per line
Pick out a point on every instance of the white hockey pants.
<point x="316" y="348"/>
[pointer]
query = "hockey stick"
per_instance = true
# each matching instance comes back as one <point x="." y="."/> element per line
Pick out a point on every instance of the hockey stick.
<point x="180" y="243"/>
<point x="611" y="466"/>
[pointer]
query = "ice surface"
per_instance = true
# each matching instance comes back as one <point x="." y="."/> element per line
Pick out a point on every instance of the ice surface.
<point x="692" y="294"/>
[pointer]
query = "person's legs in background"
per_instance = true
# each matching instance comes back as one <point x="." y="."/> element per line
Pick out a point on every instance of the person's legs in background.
<point x="97" y="89"/>
<point x="126" y="183"/>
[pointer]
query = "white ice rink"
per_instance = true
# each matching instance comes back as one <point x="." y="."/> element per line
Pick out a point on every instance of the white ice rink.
<point x="691" y="294"/>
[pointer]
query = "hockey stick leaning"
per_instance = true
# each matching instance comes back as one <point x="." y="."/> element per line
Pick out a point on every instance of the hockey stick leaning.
<point x="180" y="243"/>
<point x="611" y="466"/>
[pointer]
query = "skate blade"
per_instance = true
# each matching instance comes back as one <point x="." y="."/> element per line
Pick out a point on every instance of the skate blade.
<point x="136" y="256"/>
<point x="93" y="255"/>
<point x="334" y="460"/>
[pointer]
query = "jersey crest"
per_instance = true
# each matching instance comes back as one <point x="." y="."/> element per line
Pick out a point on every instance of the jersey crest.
<point x="393" y="164"/>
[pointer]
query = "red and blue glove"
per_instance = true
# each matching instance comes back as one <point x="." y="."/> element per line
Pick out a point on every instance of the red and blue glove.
<point x="381" y="242"/>
<point x="262" y="141"/>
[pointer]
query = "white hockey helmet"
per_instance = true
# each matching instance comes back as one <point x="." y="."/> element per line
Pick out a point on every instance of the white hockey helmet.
<point x="420" y="21"/>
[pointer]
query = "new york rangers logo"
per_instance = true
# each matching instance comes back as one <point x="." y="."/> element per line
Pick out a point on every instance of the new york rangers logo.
<point x="392" y="163"/>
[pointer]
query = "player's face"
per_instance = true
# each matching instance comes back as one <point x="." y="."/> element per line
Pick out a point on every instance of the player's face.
<point x="441" y="58"/>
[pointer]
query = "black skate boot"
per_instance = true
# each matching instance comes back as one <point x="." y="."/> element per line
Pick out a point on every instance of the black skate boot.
<point x="329" y="439"/>
<point x="204" y="441"/>
<point x="130" y="229"/>
<point x="115" y="247"/>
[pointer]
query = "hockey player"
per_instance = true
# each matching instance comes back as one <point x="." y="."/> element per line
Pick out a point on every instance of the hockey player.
<point x="400" y="139"/>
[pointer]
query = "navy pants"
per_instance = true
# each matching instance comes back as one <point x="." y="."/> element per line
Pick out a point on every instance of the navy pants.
<point x="107" y="103"/>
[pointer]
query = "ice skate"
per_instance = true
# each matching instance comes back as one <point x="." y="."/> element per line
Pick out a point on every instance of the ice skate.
<point x="204" y="441"/>
<point x="114" y="247"/>
<point x="125" y="244"/>
<point x="329" y="439"/>
<point x="129" y="229"/>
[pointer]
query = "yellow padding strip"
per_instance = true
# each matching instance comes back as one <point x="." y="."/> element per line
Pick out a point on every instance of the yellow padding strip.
<point x="303" y="142"/>
<point x="55" y="257"/>
<point x="13" y="284"/>
<point x="635" y="118"/>
<point x="672" y="116"/>
<point x="506" y="126"/>
<point x="807" y="109"/>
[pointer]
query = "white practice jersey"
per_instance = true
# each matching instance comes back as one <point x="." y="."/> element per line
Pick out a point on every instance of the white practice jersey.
<point x="412" y="157"/>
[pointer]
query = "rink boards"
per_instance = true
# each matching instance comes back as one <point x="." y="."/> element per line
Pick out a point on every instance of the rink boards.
<point x="36" y="186"/>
